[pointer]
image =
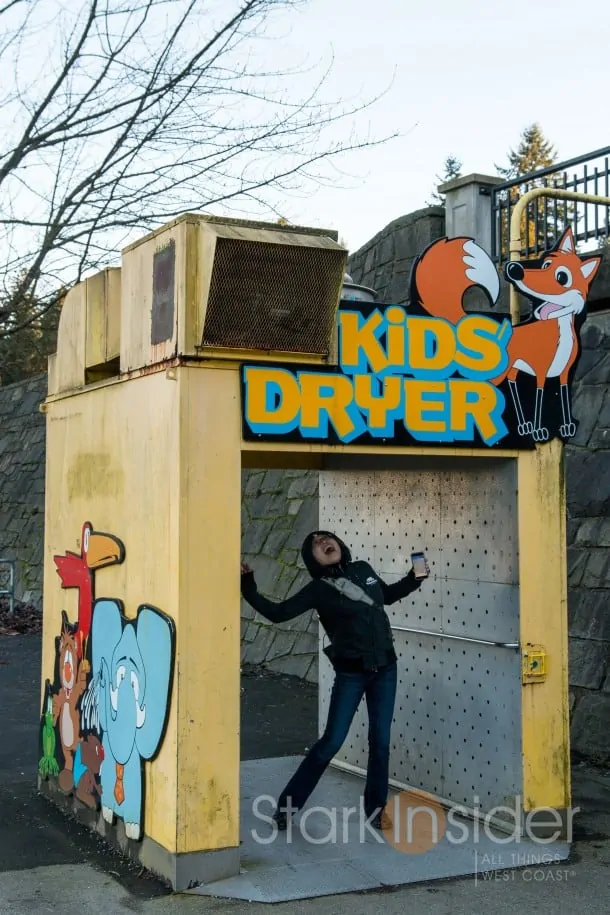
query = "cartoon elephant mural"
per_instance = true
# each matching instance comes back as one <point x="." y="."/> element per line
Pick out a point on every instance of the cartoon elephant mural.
<point x="132" y="664"/>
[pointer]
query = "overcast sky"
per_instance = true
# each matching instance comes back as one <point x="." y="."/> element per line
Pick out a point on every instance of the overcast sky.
<point x="457" y="78"/>
<point x="467" y="78"/>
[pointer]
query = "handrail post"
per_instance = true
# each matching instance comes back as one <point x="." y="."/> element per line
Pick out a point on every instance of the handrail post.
<point x="515" y="227"/>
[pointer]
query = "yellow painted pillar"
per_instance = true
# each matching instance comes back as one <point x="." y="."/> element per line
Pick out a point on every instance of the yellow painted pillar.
<point x="208" y="641"/>
<point x="106" y="466"/>
<point x="172" y="497"/>
<point x="543" y="620"/>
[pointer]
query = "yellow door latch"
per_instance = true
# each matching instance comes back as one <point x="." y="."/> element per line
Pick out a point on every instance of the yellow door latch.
<point x="534" y="668"/>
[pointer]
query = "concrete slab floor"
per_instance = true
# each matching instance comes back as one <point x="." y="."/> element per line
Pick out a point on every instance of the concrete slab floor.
<point x="327" y="851"/>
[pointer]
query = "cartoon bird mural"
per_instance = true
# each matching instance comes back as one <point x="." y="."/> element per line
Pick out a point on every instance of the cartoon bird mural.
<point x="78" y="571"/>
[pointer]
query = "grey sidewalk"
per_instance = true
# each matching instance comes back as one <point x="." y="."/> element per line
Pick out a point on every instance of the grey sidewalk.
<point x="48" y="865"/>
<point x="581" y="887"/>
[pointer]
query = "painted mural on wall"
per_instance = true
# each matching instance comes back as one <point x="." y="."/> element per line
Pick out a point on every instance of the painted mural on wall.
<point x="106" y="707"/>
<point x="132" y="664"/>
<point x="77" y="570"/>
<point x="433" y="372"/>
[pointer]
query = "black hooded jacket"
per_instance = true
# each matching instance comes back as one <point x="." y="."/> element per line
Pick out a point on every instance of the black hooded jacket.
<point x="360" y="633"/>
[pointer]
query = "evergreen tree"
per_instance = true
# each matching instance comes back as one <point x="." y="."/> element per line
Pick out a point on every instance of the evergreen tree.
<point x="533" y="153"/>
<point x="28" y="335"/>
<point x="452" y="168"/>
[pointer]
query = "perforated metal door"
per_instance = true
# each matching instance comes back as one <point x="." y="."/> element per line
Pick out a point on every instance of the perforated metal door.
<point x="456" y="730"/>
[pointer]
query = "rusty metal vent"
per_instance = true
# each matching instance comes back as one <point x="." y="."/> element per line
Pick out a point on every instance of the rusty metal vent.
<point x="273" y="297"/>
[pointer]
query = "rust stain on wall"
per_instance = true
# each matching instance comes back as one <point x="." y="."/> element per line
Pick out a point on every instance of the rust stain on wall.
<point x="217" y="805"/>
<point x="93" y="472"/>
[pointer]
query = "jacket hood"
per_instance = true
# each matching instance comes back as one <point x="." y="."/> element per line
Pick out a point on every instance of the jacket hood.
<point x="313" y="567"/>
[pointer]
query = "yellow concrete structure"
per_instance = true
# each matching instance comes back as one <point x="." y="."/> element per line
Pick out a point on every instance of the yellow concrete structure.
<point x="144" y="440"/>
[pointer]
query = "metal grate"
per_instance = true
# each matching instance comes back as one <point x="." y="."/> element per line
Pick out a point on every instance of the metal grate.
<point x="273" y="297"/>
<point x="456" y="730"/>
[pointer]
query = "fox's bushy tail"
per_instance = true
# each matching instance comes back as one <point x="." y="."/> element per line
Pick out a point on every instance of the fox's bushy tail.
<point x="446" y="270"/>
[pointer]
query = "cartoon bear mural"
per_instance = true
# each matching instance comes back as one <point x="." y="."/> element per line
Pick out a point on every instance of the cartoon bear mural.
<point x="61" y="721"/>
<point x="87" y="767"/>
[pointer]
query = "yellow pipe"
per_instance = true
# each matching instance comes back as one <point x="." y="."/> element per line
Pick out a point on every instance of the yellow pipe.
<point x="515" y="227"/>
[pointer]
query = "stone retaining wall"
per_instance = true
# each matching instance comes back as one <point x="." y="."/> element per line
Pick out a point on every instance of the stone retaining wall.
<point x="22" y="460"/>
<point x="384" y="263"/>
<point x="588" y="496"/>
<point x="279" y="508"/>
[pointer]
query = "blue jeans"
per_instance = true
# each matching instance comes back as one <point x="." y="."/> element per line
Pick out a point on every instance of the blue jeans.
<point x="379" y="687"/>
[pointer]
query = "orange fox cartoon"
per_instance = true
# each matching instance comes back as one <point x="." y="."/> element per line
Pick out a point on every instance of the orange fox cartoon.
<point x="546" y="345"/>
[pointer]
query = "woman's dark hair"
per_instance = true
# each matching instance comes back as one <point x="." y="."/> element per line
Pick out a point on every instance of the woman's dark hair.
<point x="313" y="567"/>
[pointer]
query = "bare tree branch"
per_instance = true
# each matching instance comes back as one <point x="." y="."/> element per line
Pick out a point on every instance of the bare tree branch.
<point x="142" y="110"/>
<point x="8" y="6"/>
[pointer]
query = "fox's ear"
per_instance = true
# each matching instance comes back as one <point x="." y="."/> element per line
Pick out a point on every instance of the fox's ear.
<point x="589" y="268"/>
<point x="566" y="242"/>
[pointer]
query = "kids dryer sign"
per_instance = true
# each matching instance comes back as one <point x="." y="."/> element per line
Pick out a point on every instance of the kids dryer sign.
<point x="433" y="373"/>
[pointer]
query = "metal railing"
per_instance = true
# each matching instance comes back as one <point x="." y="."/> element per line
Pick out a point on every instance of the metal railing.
<point x="545" y="218"/>
<point x="7" y="582"/>
<point x="458" y="638"/>
<point x="516" y="245"/>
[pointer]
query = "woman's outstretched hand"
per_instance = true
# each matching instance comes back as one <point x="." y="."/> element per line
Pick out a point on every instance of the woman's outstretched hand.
<point x="247" y="582"/>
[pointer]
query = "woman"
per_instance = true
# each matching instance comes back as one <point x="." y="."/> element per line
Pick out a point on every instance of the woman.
<point x="349" y="597"/>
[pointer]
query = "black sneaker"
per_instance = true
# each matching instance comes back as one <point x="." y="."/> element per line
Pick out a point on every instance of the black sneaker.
<point x="381" y="821"/>
<point x="281" y="820"/>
